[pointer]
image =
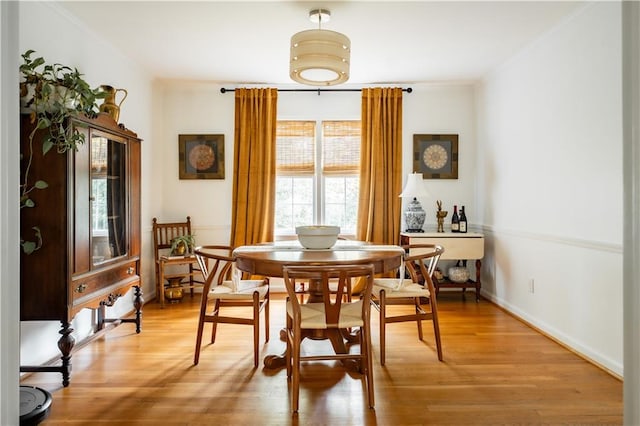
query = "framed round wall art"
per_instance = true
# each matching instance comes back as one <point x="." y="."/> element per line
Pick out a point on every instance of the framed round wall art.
<point x="436" y="156"/>
<point x="201" y="156"/>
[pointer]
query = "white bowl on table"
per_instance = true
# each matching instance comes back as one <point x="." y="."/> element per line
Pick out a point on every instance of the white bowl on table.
<point x="317" y="237"/>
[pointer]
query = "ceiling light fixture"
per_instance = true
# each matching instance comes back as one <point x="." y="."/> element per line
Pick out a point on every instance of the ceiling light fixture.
<point x="320" y="57"/>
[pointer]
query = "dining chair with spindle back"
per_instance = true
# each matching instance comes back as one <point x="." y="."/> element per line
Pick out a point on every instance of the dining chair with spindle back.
<point x="328" y="311"/>
<point x="168" y="266"/>
<point x="420" y="262"/>
<point x="225" y="287"/>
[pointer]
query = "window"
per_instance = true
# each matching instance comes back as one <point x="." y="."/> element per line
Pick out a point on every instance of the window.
<point x="99" y="206"/>
<point x="317" y="177"/>
<point x="99" y="149"/>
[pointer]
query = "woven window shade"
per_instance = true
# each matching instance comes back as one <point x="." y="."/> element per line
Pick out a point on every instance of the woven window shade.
<point x="295" y="147"/>
<point x="341" y="142"/>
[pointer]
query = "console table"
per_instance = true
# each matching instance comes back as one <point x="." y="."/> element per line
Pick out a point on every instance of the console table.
<point x="457" y="246"/>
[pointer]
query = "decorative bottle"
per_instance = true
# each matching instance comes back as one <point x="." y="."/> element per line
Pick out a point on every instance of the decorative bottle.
<point x="455" y="220"/>
<point x="463" y="220"/>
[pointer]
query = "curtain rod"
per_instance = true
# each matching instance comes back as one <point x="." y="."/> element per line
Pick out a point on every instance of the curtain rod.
<point x="223" y="90"/>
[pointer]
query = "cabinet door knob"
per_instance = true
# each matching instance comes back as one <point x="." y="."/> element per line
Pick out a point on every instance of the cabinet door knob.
<point x="81" y="288"/>
<point x="130" y="270"/>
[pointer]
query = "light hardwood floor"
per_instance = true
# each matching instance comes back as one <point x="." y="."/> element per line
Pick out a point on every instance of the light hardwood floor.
<point x="496" y="370"/>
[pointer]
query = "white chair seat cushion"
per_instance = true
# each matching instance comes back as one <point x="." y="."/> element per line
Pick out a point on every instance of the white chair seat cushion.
<point x="225" y="292"/>
<point x="408" y="289"/>
<point x="312" y="315"/>
<point x="391" y="283"/>
<point x="242" y="285"/>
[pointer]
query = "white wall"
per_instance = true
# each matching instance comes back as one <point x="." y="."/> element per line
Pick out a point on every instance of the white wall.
<point x="201" y="108"/>
<point x="193" y="108"/>
<point x="179" y="108"/>
<point x="550" y="183"/>
<point x="75" y="45"/>
<point x="532" y="172"/>
<point x="444" y="109"/>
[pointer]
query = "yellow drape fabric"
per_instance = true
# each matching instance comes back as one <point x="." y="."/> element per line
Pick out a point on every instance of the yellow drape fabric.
<point x="254" y="166"/>
<point x="379" y="206"/>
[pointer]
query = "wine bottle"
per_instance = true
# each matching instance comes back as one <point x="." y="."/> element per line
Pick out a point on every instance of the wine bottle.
<point x="455" y="220"/>
<point x="463" y="220"/>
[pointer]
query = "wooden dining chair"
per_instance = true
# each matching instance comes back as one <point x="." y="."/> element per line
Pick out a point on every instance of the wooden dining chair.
<point x="328" y="311"/>
<point x="302" y="286"/>
<point x="420" y="262"/>
<point x="183" y="268"/>
<point x="224" y="287"/>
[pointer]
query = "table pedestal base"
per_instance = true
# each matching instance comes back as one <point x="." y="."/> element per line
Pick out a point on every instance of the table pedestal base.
<point x="337" y="338"/>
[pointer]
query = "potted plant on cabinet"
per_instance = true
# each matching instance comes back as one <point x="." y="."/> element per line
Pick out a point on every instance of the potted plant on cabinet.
<point x="183" y="244"/>
<point x="51" y="94"/>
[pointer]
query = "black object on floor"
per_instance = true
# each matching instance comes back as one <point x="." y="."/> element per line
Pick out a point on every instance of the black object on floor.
<point x="34" y="405"/>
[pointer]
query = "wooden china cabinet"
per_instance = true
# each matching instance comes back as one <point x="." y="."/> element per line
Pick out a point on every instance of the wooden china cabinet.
<point x="89" y="218"/>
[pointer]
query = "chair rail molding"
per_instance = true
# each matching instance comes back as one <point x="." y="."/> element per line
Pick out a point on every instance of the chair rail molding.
<point x="549" y="238"/>
<point x="507" y="290"/>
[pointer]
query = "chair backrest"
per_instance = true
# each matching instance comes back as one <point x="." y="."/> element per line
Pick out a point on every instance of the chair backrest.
<point x="322" y="280"/>
<point x="423" y="262"/>
<point x="215" y="262"/>
<point x="163" y="233"/>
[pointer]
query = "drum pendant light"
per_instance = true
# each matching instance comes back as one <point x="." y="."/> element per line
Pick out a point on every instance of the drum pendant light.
<point x="320" y="57"/>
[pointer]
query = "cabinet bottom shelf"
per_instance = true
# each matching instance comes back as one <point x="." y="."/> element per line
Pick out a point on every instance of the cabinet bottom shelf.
<point x="67" y="343"/>
<point x="445" y="283"/>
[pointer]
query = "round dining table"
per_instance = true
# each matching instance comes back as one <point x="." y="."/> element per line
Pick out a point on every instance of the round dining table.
<point x="268" y="259"/>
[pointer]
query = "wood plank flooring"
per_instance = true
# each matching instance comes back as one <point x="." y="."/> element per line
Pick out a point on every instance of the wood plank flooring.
<point x="496" y="371"/>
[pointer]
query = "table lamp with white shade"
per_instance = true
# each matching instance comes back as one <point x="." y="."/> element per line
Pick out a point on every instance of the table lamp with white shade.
<point x="414" y="214"/>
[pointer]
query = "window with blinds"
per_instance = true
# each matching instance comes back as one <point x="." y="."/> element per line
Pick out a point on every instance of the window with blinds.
<point x="341" y="147"/>
<point x="317" y="174"/>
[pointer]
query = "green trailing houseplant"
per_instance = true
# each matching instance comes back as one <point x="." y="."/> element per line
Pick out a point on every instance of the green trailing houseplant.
<point x="187" y="242"/>
<point x="51" y="94"/>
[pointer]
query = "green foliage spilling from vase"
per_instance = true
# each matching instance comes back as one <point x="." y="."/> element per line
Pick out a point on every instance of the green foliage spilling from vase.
<point x="183" y="245"/>
<point x="51" y="94"/>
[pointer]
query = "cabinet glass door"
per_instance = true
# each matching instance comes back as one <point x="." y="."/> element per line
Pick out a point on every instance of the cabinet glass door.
<point x="108" y="198"/>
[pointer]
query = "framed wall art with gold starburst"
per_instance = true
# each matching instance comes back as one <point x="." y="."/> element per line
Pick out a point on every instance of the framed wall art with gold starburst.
<point x="436" y="156"/>
<point x="201" y="156"/>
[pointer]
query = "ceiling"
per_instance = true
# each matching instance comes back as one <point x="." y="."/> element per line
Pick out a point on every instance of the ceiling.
<point x="391" y="42"/>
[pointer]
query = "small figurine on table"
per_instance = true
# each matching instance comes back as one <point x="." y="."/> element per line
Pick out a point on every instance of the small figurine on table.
<point x="440" y="214"/>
